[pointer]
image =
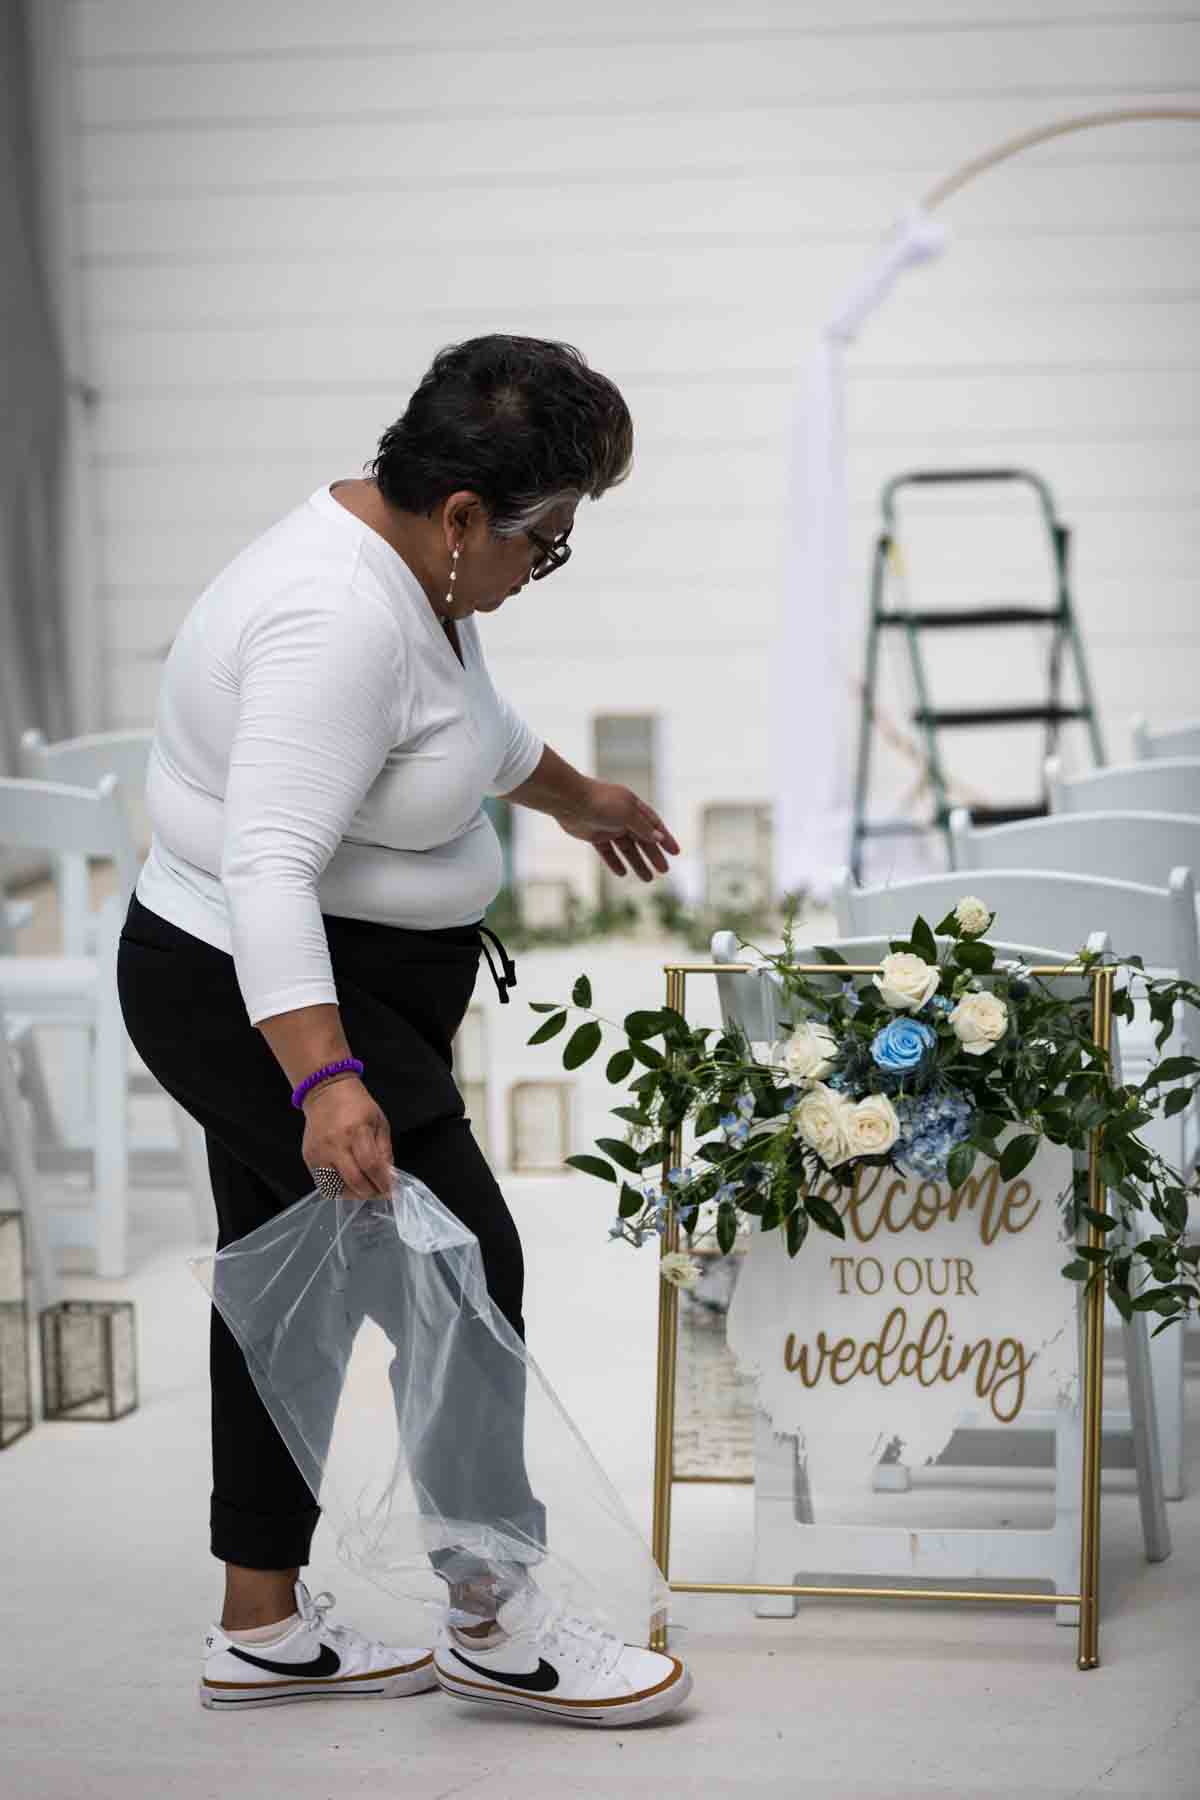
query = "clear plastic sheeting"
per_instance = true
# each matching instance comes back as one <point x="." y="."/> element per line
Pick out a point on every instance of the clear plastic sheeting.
<point x="432" y="1441"/>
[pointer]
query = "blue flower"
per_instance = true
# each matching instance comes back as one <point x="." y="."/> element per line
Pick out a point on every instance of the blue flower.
<point x="726" y="1191"/>
<point x="902" y="1045"/>
<point x="745" y="1105"/>
<point x="727" y="1121"/>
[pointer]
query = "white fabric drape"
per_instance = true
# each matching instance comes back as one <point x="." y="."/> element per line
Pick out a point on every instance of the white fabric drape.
<point x="813" y="714"/>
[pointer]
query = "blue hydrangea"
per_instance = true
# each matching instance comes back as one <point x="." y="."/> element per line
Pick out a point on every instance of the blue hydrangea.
<point x="931" y="1124"/>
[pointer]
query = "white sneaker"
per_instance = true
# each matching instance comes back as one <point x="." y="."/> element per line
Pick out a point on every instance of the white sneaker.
<point x="314" y="1661"/>
<point x="560" y="1665"/>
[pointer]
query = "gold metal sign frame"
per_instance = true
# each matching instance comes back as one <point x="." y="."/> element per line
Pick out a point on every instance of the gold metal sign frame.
<point x="1087" y="1599"/>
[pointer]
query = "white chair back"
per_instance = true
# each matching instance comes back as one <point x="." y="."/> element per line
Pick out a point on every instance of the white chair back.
<point x="69" y="821"/>
<point x="1176" y="740"/>
<point x="84" y="761"/>
<point x="1171" y="785"/>
<point x="1122" y="846"/>
<point x="759" y="1006"/>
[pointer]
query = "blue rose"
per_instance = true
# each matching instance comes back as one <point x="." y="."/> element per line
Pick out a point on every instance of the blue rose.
<point x="902" y="1045"/>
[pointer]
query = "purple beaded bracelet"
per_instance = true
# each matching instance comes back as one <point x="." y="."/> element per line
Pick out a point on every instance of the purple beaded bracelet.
<point x="310" y="1081"/>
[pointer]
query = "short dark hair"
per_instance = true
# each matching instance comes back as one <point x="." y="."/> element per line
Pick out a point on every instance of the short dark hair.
<point x="523" y="422"/>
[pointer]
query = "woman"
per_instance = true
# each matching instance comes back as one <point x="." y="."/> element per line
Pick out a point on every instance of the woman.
<point x="305" y="933"/>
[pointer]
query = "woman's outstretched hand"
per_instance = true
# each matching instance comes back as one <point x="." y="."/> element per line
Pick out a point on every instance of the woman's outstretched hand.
<point x="618" y="824"/>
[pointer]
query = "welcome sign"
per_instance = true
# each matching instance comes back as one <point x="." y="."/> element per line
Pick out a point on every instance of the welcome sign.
<point x="940" y="1307"/>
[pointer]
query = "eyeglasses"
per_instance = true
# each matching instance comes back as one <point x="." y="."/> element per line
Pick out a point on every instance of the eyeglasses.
<point x="554" y="552"/>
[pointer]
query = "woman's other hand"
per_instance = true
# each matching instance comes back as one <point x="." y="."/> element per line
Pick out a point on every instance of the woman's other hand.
<point x="619" y="824"/>
<point x="347" y="1130"/>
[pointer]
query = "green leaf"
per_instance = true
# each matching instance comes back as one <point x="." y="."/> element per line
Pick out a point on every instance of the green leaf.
<point x="581" y="993"/>
<point x="1173" y="1068"/>
<point x="949" y="926"/>
<point x="583" y="1043"/>
<point x="550" y="1029"/>
<point x="632" y="1115"/>
<point x="543" y="1006"/>
<point x="977" y="957"/>
<point x="726" y="1227"/>
<point x="1018" y="1154"/>
<point x="619" y="1065"/>
<point x="922" y="941"/>
<point x="1099" y="1219"/>
<point x="825" y="1214"/>
<point x="649" y="1059"/>
<point x="644" y="1024"/>
<point x="827" y="955"/>
<point x="1176" y="1102"/>
<point x="962" y="1161"/>
<point x="631" y="1202"/>
<point x="623" y="1154"/>
<point x="1122" y="1303"/>
<point x="592" y="1165"/>
<point x="1075" y="1271"/>
<point x="797" y="1231"/>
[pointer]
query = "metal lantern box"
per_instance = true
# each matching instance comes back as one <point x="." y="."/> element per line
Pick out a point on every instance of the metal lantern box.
<point x="16" y="1382"/>
<point x="89" y="1359"/>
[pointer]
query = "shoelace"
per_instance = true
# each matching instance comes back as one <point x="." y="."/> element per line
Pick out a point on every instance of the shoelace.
<point x="581" y="1638"/>
<point x="344" y="1636"/>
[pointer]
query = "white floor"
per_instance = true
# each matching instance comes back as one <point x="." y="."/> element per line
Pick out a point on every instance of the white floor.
<point x="108" y="1587"/>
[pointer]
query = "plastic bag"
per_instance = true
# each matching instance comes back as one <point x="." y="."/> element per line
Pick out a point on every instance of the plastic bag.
<point x="432" y="1441"/>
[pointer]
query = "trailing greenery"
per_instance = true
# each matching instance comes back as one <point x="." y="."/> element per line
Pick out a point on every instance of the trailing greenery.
<point x="922" y="1067"/>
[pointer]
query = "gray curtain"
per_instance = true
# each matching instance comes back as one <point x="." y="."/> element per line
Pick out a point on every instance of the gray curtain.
<point x="33" y="662"/>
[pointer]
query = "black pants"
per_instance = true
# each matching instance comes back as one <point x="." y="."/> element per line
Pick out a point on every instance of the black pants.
<point x="402" y="996"/>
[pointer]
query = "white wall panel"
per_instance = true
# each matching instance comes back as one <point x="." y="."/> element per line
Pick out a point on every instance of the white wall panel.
<point x="285" y="208"/>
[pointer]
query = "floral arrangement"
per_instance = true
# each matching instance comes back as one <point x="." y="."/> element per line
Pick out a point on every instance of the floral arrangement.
<point x="920" y="1067"/>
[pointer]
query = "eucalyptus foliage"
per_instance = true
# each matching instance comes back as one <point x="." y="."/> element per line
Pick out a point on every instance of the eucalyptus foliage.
<point x="1043" y="1078"/>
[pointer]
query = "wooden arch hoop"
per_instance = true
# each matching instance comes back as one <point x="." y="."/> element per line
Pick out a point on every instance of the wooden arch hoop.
<point x="1041" y="134"/>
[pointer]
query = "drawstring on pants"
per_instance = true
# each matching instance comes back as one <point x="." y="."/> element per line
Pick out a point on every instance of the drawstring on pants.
<point x="509" y="977"/>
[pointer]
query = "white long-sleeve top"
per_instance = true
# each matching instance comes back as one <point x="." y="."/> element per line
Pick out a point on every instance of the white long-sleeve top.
<point x="318" y="747"/>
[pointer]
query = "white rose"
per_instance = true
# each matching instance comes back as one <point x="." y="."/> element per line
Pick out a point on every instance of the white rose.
<point x="808" y="1054"/>
<point x="979" y="1022"/>
<point x="680" y="1269"/>
<point x="905" y="982"/>
<point x="873" y="1126"/>
<point x="973" y="916"/>
<point x="822" y="1119"/>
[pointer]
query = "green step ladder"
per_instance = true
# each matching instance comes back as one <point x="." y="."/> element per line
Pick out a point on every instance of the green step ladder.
<point x="1051" y="712"/>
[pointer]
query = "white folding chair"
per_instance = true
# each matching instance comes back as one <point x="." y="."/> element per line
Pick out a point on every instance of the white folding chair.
<point x="1120" y="846"/>
<point x="785" y="1529"/>
<point x="81" y="991"/>
<point x="83" y="762"/>
<point x="16" y="1037"/>
<point x="1158" y="924"/>
<point x="1170" y="785"/>
<point x="1175" y="740"/>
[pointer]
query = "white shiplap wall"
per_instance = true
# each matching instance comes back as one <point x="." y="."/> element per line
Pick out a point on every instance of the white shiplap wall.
<point x="284" y="208"/>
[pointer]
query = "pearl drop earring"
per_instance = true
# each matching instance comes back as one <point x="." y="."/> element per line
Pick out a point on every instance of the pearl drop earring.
<point x="453" y="578"/>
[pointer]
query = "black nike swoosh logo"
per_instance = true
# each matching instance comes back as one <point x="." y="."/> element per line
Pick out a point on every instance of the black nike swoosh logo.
<point x="540" y="1681"/>
<point x="328" y="1663"/>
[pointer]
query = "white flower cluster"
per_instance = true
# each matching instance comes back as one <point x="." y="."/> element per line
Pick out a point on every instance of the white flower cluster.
<point x="907" y="982"/>
<point x="838" y="1128"/>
